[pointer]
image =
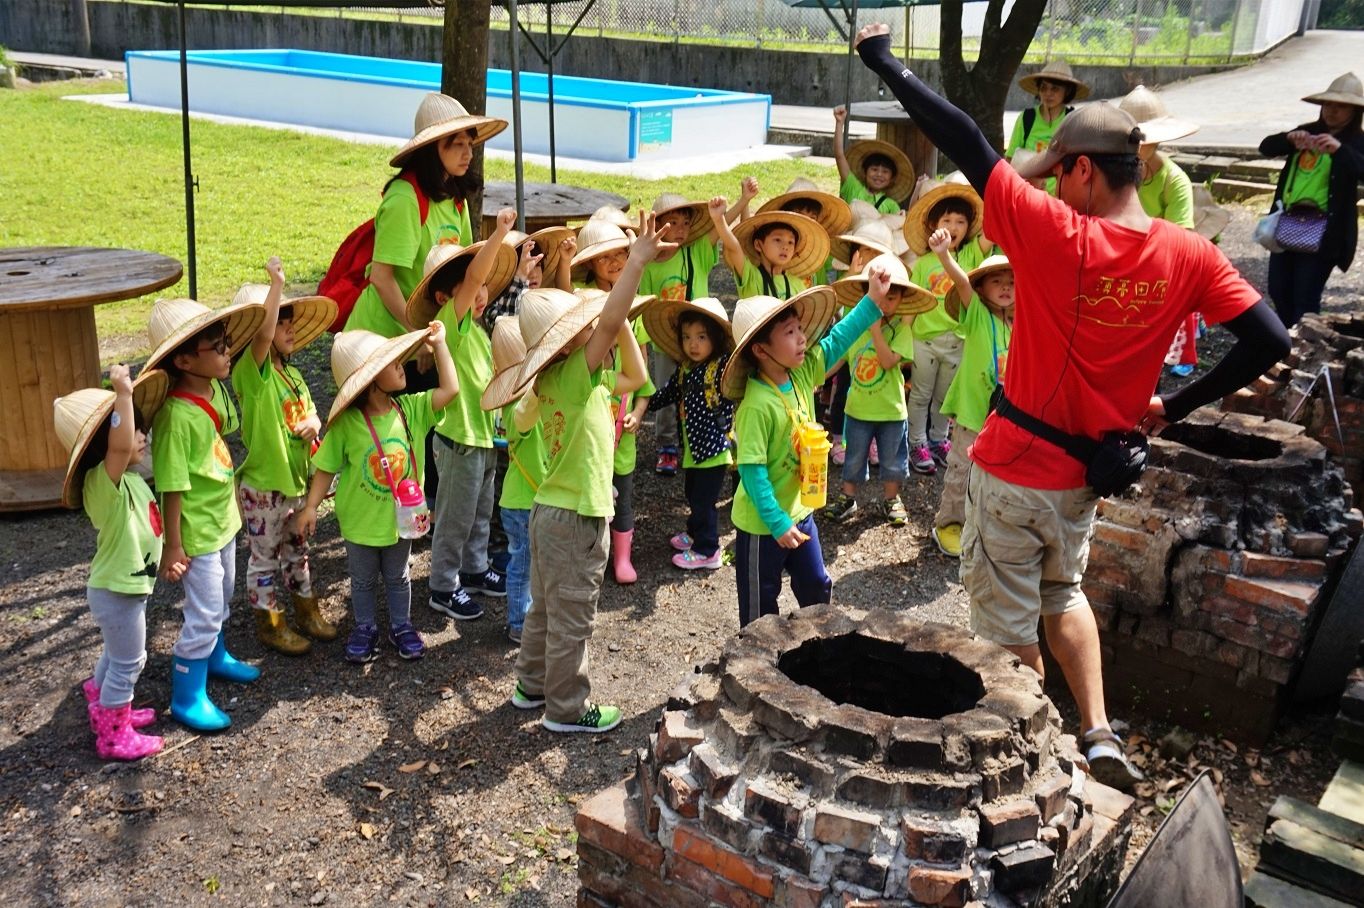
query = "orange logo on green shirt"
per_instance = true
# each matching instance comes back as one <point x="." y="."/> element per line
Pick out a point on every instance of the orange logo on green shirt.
<point x="868" y="370"/>
<point x="397" y="463"/>
<point x="221" y="454"/>
<point x="1307" y="161"/>
<point x="675" y="291"/>
<point x="294" y="412"/>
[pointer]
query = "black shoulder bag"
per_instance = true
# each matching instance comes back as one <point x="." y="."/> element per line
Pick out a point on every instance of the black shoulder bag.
<point x="1112" y="464"/>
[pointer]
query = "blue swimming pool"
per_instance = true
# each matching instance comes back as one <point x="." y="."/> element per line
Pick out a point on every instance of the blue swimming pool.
<point x="595" y="119"/>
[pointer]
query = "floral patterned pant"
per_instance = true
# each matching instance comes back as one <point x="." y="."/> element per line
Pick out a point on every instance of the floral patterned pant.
<point x="274" y="547"/>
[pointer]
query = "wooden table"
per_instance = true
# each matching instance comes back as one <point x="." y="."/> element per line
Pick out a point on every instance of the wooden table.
<point x="895" y="126"/>
<point x="48" y="348"/>
<point x="547" y="204"/>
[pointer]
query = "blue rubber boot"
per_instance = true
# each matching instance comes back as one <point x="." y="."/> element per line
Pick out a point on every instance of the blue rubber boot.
<point x="224" y="665"/>
<point x="190" y="705"/>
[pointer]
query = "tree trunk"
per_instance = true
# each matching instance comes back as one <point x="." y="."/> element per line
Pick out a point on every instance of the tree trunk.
<point x="464" y="73"/>
<point x="982" y="89"/>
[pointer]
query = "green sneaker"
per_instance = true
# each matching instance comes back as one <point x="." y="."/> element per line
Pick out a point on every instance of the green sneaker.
<point x="841" y="508"/>
<point x="896" y="514"/>
<point x="522" y="700"/>
<point x="597" y="719"/>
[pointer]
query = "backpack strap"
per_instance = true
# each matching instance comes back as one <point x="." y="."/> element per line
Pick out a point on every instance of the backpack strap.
<point x="1029" y="118"/>
<point x="423" y="203"/>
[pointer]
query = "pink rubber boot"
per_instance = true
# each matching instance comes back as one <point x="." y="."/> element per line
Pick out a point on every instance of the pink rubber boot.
<point x="115" y="738"/>
<point x="141" y="718"/>
<point x="620" y="556"/>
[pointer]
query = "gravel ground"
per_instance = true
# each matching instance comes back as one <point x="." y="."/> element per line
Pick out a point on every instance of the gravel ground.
<point x="417" y="783"/>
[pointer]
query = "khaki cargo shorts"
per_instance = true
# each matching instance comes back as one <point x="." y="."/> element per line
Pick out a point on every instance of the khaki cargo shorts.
<point x="1023" y="553"/>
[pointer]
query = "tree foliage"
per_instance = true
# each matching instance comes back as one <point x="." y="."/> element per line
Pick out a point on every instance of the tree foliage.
<point x="982" y="89"/>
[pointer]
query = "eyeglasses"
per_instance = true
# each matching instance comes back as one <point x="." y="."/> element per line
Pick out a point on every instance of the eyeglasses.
<point x="220" y="346"/>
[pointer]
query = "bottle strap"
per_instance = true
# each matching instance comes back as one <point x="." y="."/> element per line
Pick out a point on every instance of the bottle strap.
<point x="202" y="405"/>
<point x="534" y="486"/>
<point x="797" y="418"/>
<point x="383" y="457"/>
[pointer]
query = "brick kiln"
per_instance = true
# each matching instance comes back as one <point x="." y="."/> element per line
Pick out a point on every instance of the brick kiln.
<point x="839" y="758"/>
<point x="1207" y="579"/>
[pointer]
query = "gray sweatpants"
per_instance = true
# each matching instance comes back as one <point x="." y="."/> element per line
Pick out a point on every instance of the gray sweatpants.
<point x="208" y="601"/>
<point x="367" y="563"/>
<point x="464" y="507"/>
<point x="122" y="620"/>
<point x="661" y="368"/>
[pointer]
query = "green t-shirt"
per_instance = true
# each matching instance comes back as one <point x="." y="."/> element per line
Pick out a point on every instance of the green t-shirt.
<point x="668" y="279"/>
<point x="575" y="411"/>
<point x="402" y="240"/>
<point x="625" y="458"/>
<point x="1037" y="139"/>
<point x="853" y="190"/>
<point x="786" y="285"/>
<point x="364" y="502"/>
<point x="1168" y="194"/>
<point x="1310" y="180"/>
<point x="464" y="420"/>
<point x="983" y="352"/>
<point x="526" y="463"/>
<point x="766" y="435"/>
<point x="276" y="458"/>
<point x="190" y="456"/>
<point x="876" y="394"/>
<point x="128" y="549"/>
<point x="929" y="273"/>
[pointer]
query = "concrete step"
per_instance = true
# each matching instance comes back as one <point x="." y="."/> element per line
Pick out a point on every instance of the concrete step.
<point x="57" y="67"/>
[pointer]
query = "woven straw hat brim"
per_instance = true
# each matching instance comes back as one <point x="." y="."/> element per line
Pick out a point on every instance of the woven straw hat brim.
<point x="598" y="297"/>
<point x="573" y="320"/>
<point x="992" y="265"/>
<point x="700" y="219"/>
<point x="916" y="231"/>
<point x="903" y="184"/>
<point x="1344" y="89"/>
<point x="547" y="244"/>
<point x="583" y="257"/>
<point x="509" y="350"/>
<point x="814" y="307"/>
<point x="312" y="315"/>
<point x="660" y="321"/>
<point x="841" y="247"/>
<point x="1166" y="129"/>
<point x="242" y="321"/>
<point x="916" y="299"/>
<point x="812" y="242"/>
<point x="834" y="214"/>
<point x="485" y="128"/>
<point x="422" y="306"/>
<point x="149" y="392"/>
<point x="1029" y="82"/>
<point x="395" y="349"/>
<point x="1210" y="219"/>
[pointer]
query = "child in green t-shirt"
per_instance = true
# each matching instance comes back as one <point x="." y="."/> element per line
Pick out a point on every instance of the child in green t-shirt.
<point x="279" y="427"/>
<point x="373" y="446"/>
<point x="773" y="253"/>
<point x="602" y="248"/>
<point x="194" y="476"/>
<point x="105" y="433"/>
<point x="983" y="301"/>
<point x="871" y="170"/>
<point x="772" y="374"/>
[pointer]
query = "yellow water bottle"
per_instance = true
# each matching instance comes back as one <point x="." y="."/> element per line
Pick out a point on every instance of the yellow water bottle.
<point x="814" y="464"/>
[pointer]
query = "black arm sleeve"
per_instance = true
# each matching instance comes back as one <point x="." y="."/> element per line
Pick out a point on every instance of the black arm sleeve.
<point x="946" y="126"/>
<point x="1261" y="341"/>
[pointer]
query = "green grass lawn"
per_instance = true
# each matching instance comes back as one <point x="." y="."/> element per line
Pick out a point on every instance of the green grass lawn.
<point x="83" y="175"/>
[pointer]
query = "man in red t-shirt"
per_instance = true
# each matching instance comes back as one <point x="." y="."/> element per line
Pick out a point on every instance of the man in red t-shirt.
<point x="1100" y="290"/>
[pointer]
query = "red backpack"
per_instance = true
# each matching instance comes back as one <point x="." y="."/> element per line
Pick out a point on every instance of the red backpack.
<point x="347" y="276"/>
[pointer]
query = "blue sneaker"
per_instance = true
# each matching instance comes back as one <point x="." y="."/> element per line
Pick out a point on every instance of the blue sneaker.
<point x="363" y="645"/>
<point x="1182" y="370"/>
<point x="409" y="643"/>
<point x="458" y="605"/>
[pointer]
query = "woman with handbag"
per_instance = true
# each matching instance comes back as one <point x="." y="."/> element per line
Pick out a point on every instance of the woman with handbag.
<point x="1318" y="228"/>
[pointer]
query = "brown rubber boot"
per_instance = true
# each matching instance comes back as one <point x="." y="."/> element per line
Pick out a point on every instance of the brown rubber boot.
<point x="274" y="632"/>
<point x="308" y="617"/>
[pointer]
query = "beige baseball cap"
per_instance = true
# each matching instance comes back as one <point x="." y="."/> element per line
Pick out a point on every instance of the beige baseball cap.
<point x="1098" y="128"/>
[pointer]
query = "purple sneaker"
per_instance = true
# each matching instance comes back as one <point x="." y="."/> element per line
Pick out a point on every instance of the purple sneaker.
<point x="921" y="459"/>
<point x="408" y="642"/>
<point x="363" y="644"/>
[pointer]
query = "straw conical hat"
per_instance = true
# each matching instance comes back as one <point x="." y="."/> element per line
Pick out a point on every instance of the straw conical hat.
<point x="1210" y="219"/>
<point x="1155" y="121"/>
<point x="661" y="322"/>
<point x="549" y="319"/>
<point x="992" y="265"/>
<point x="597" y="237"/>
<point x="1054" y="71"/>
<point x="79" y="415"/>
<point x="312" y="314"/>
<point x="700" y="214"/>
<point x="440" y="115"/>
<point x="1344" y="89"/>
<point x="174" y="321"/>
<point x="597" y="296"/>
<point x="812" y="242"/>
<point x="862" y="210"/>
<point x="815" y="308"/>
<point x="546" y="242"/>
<point x="915" y="300"/>
<point x="900" y="187"/>
<point x="834" y="214"/>
<point x="359" y="356"/>
<point x="421" y="304"/>
<point x="613" y="215"/>
<point x="509" y="350"/>
<point x="916" y="227"/>
<point x="874" y="235"/>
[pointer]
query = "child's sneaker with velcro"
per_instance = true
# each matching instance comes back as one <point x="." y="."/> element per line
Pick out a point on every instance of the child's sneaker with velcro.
<point x="363" y="645"/>
<point x="681" y="542"/>
<point x="841" y="508"/>
<point x="921" y="460"/>
<point x="408" y="641"/>
<point x="690" y="560"/>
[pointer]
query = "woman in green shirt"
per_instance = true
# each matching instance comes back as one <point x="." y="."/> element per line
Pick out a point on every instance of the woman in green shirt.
<point x="1055" y="87"/>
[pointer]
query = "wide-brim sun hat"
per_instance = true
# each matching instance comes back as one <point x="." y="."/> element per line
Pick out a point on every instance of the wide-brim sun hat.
<point x="439" y="116"/>
<point x="834" y="214"/>
<point x="916" y="299"/>
<point x="1098" y="128"/>
<point x="812" y="242"/>
<point x="509" y="350"/>
<point x="661" y="322"/>
<point x="1210" y="219"/>
<point x="871" y="234"/>
<point x="547" y="242"/>
<point x="359" y="356"/>
<point x="174" y="321"/>
<point x="613" y="215"/>
<point x="1054" y="71"/>
<point x="78" y="416"/>
<point x="669" y="202"/>
<point x="549" y="319"/>
<point x="916" y="229"/>
<point x="903" y="184"/>
<point x="598" y="296"/>
<point x="421" y="304"/>
<point x="1344" y="89"/>
<point x="312" y="315"/>
<point x="596" y="238"/>
<point x="992" y="265"/>
<point x="814" y="307"/>
<point x="1146" y="107"/>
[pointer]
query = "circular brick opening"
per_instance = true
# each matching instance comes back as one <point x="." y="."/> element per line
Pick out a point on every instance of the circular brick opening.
<point x="884" y="677"/>
<point x="1222" y="442"/>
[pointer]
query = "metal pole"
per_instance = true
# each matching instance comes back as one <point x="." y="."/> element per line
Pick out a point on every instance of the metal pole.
<point x="1136" y="20"/>
<point x="1235" y="24"/>
<point x="516" y="116"/>
<point x="847" y="84"/>
<point x="190" y="183"/>
<point x="1188" y="33"/>
<point x="549" y="66"/>
<point x="1051" y="27"/>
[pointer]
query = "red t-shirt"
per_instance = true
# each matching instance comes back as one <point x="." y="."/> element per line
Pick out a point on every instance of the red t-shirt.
<point x="1121" y="294"/>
